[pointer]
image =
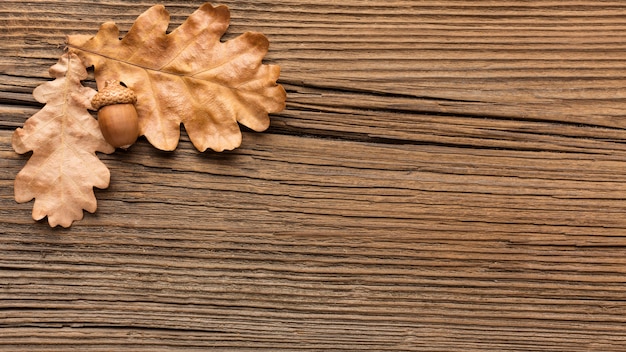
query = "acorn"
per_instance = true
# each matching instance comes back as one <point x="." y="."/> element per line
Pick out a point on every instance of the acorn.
<point x="117" y="115"/>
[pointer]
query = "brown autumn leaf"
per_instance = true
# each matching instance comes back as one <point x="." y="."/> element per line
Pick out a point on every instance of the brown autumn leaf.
<point x="188" y="76"/>
<point x="63" y="137"/>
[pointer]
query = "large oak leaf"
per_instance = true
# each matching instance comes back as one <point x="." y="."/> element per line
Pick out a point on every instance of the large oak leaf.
<point x="63" y="137"/>
<point x="188" y="76"/>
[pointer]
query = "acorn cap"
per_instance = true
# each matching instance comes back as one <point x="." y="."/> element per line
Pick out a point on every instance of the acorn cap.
<point x="113" y="93"/>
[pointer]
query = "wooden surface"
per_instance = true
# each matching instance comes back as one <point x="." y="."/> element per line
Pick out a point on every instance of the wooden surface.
<point x="447" y="176"/>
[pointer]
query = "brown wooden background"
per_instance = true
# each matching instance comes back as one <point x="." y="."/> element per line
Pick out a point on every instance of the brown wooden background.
<point x="447" y="176"/>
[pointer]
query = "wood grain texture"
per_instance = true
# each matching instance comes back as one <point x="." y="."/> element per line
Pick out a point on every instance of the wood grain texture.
<point x="447" y="176"/>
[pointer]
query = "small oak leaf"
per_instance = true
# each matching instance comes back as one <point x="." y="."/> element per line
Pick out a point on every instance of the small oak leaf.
<point x="188" y="76"/>
<point x="63" y="137"/>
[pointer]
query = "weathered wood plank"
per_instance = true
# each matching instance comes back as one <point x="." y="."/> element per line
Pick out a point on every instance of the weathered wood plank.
<point x="323" y="244"/>
<point x="429" y="68"/>
<point x="448" y="175"/>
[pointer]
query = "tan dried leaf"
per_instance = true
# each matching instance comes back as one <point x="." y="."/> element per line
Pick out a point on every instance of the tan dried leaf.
<point x="188" y="76"/>
<point x="63" y="137"/>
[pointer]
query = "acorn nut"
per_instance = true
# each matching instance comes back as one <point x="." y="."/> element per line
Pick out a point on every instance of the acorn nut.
<point x="117" y="116"/>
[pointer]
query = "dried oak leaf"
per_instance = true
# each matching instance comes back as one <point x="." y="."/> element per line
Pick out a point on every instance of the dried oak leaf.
<point x="188" y="76"/>
<point x="63" y="137"/>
